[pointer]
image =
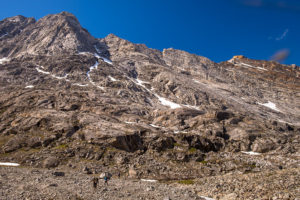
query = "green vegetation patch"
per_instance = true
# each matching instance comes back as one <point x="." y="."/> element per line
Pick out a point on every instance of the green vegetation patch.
<point x="204" y="162"/>
<point x="62" y="146"/>
<point x="192" y="150"/>
<point x="186" y="182"/>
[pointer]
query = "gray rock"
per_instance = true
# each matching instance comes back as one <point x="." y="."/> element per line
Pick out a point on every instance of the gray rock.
<point x="51" y="162"/>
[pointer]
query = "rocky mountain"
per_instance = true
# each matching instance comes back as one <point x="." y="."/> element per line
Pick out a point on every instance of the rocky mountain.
<point x="71" y="100"/>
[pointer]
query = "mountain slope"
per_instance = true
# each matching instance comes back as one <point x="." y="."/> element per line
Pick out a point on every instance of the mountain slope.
<point x="168" y="115"/>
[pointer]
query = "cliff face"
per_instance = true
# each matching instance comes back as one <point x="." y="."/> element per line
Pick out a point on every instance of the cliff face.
<point x="66" y="93"/>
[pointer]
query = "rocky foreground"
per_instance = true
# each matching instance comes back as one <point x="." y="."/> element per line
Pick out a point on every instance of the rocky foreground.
<point x="30" y="183"/>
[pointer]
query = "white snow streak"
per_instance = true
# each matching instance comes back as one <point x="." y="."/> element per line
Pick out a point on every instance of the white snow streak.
<point x="192" y="107"/>
<point x="95" y="66"/>
<point x="112" y="78"/>
<point x="251" y="66"/>
<point x="9" y="164"/>
<point x="162" y="100"/>
<point x="2" y="60"/>
<point x="29" y="86"/>
<point x="149" y="180"/>
<point x="207" y="198"/>
<point x="251" y="153"/>
<point x="166" y="102"/>
<point x="129" y="122"/>
<point x="104" y="59"/>
<point x="60" y="77"/>
<point x="155" y="126"/>
<point x="140" y="82"/>
<point x="102" y="88"/>
<point x="81" y="85"/>
<point x="270" y="105"/>
<point x="42" y="71"/>
<point x="180" y="132"/>
<point x="196" y="81"/>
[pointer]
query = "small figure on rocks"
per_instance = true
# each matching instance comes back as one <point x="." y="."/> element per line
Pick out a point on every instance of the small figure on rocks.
<point x="106" y="176"/>
<point x="119" y="175"/>
<point x="106" y="180"/>
<point x="95" y="182"/>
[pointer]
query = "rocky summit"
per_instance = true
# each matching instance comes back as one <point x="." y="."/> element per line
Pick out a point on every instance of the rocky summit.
<point x="166" y="124"/>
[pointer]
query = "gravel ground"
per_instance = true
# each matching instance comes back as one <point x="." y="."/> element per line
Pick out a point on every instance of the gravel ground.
<point x="32" y="183"/>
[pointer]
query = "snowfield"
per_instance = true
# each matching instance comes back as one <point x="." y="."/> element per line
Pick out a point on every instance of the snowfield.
<point x="270" y="105"/>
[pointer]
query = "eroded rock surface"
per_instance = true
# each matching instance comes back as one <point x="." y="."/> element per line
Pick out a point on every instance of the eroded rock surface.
<point x="68" y="98"/>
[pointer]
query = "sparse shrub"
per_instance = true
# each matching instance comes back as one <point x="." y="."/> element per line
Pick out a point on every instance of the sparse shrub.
<point x="186" y="182"/>
<point x="192" y="150"/>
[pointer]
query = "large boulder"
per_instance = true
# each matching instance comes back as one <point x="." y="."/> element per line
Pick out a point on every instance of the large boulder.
<point x="128" y="143"/>
<point x="263" y="145"/>
<point x="51" y="162"/>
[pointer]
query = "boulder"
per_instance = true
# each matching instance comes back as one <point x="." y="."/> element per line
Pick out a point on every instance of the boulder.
<point x="263" y="145"/>
<point x="129" y="143"/>
<point x="132" y="173"/>
<point x="51" y="162"/>
<point x="58" y="173"/>
<point x="222" y="115"/>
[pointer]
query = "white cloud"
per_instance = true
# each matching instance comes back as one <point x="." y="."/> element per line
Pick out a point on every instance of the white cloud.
<point x="283" y="35"/>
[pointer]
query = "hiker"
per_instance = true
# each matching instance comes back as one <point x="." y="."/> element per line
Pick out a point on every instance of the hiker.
<point x="95" y="182"/>
<point x="119" y="175"/>
<point x="106" y="180"/>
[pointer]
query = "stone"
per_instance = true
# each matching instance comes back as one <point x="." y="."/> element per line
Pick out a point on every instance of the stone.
<point x="51" y="162"/>
<point x="132" y="173"/>
<point x="58" y="174"/>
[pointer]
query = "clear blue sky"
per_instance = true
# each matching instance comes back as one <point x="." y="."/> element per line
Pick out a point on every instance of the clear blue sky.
<point x="217" y="29"/>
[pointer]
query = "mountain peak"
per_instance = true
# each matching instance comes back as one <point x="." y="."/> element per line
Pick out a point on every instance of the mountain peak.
<point x="61" y="17"/>
<point x="53" y="34"/>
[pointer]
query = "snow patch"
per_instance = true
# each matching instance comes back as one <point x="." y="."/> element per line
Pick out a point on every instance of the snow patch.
<point x="14" y="19"/>
<point x="270" y="105"/>
<point x="162" y="100"/>
<point x="104" y="59"/>
<point x="95" y="66"/>
<point x="112" y="78"/>
<point x="251" y="66"/>
<point x="9" y="164"/>
<point x="129" y="122"/>
<point x="196" y="81"/>
<point x="42" y="71"/>
<point x="155" y="126"/>
<point x="2" y="60"/>
<point x="176" y="132"/>
<point x="251" y="153"/>
<point x="149" y="180"/>
<point x="140" y="82"/>
<point x="60" y="77"/>
<point x="207" y="198"/>
<point x="84" y="53"/>
<point x="166" y="102"/>
<point x="102" y="88"/>
<point x="192" y="107"/>
<point x="81" y="85"/>
<point x="29" y="86"/>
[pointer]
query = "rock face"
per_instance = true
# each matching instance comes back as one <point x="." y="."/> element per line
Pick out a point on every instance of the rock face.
<point x="169" y="115"/>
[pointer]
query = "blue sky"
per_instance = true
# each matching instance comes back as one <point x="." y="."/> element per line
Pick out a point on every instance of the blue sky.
<point x="217" y="29"/>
